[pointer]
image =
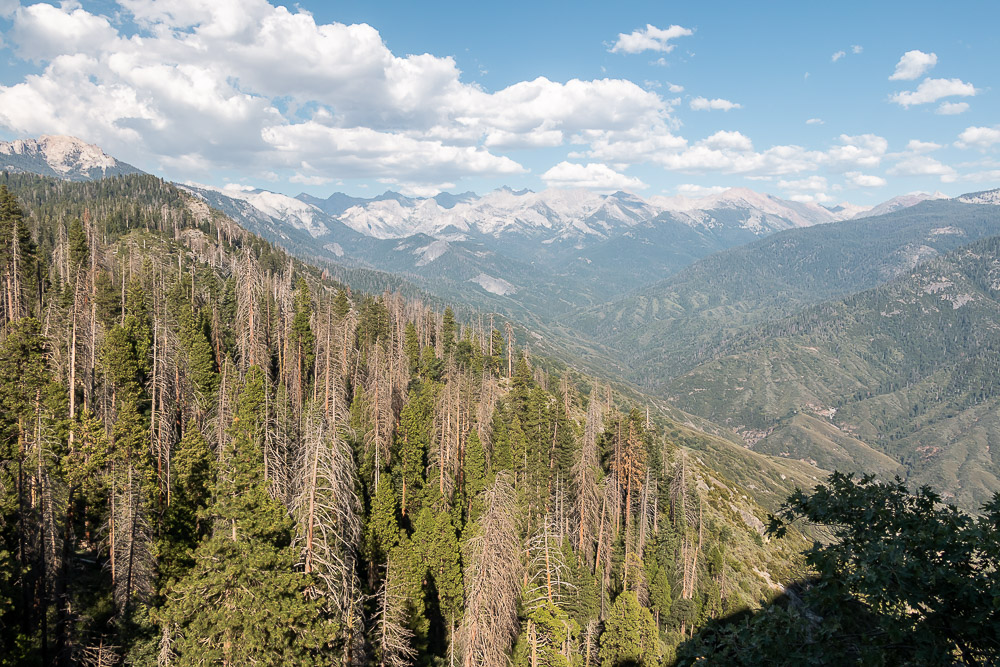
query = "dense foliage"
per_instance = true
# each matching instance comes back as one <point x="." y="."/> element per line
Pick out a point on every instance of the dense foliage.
<point x="905" y="581"/>
<point x="209" y="453"/>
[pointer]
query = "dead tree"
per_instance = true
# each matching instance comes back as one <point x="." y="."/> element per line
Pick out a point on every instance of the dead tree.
<point x="328" y="513"/>
<point x="585" y="478"/>
<point x="493" y="580"/>
<point x="394" y="638"/>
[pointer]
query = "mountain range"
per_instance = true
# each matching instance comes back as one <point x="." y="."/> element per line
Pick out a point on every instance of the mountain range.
<point x="62" y="157"/>
<point x="812" y="333"/>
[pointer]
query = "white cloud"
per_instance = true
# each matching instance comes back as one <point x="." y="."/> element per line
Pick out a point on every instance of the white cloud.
<point x="837" y="56"/>
<point x="856" y="49"/>
<point x="674" y="88"/>
<point x="705" y="104"/>
<point x="860" y="180"/>
<point x="917" y="146"/>
<point x="692" y="190"/>
<point x="912" y="65"/>
<point x="537" y="138"/>
<point x="952" y="108"/>
<point x="728" y="140"/>
<point x="42" y="32"/>
<point x="731" y="152"/>
<point x="247" y="85"/>
<point x="814" y="121"/>
<point x="635" y="146"/>
<point x="991" y="176"/>
<point x="364" y="152"/>
<point x="863" y="150"/>
<point x="923" y="165"/>
<point x="649" y="38"/>
<point x="978" y="137"/>
<point x="309" y="180"/>
<point x="593" y="176"/>
<point x="810" y="184"/>
<point x="931" y="90"/>
<point x="411" y="190"/>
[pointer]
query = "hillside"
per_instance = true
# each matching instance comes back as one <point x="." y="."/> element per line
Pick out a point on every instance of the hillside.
<point x="906" y="371"/>
<point x="664" y="330"/>
<point x="181" y="394"/>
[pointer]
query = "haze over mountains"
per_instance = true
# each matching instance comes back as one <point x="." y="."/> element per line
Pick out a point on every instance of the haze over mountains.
<point x="772" y="318"/>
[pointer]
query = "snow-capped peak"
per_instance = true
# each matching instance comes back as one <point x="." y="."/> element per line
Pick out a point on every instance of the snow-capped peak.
<point x="295" y="212"/>
<point x="62" y="156"/>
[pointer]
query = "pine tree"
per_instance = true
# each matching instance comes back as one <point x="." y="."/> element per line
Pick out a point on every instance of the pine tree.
<point x="243" y="601"/>
<point x="448" y="329"/>
<point x="17" y="258"/>
<point x="302" y="338"/>
<point x="412" y="440"/>
<point x="630" y="635"/>
<point x="474" y="475"/>
<point x="341" y="304"/>
<point x="411" y="347"/>
<point x="192" y="471"/>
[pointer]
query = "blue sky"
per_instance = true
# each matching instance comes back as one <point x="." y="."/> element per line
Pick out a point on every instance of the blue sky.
<point x="819" y="102"/>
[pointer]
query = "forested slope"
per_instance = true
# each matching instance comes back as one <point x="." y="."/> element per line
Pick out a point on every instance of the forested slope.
<point x="211" y="453"/>
<point x="665" y="330"/>
<point x="910" y="368"/>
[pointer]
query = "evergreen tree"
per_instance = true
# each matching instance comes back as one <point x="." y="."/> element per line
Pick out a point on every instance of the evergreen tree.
<point x="412" y="440"/>
<point x="79" y="249"/>
<point x="474" y="475"/>
<point x="341" y="304"/>
<point x="192" y="471"/>
<point x="630" y="636"/>
<point x="448" y="330"/>
<point x="411" y="347"/>
<point x="302" y="338"/>
<point x="244" y="601"/>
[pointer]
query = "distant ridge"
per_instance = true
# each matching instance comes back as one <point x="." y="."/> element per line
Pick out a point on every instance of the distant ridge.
<point x="62" y="157"/>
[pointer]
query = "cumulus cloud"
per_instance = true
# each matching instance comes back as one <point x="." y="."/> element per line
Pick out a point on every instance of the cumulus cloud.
<point x="857" y="49"/>
<point x="42" y="32"/>
<point x="858" y="179"/>
<point x="952" y="108"/>
<point x="979" y="137"/>
<point x="731" y="152"/>
<point x="245" y="84"/>
<point x="649" y="38"/>
<point x="728" y="140"/>
<point x="863" y="150"/>
<point x="629" y="147"/>
<point x="990" y="176"/>
<point x="718" y="104"/>
<point x="923" y="165"/>
<point x="814" y="121"/>
<point x="674" y="88"/>
<point x="912" y="65"/>
<point x="693" y="190"/>
<point x="810" y="184"/>
<point x="917" y="146"/>
<point x="931" y="90"/>
<point x="593" y="176"/>
<point x="309" y="180"/>
<point x="837" y="56"/>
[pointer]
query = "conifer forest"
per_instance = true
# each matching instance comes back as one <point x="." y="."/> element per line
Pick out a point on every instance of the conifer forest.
<point x="213" y="454"/>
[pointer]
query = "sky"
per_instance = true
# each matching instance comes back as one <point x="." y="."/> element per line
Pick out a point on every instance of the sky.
<point x="821" y="102"/>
